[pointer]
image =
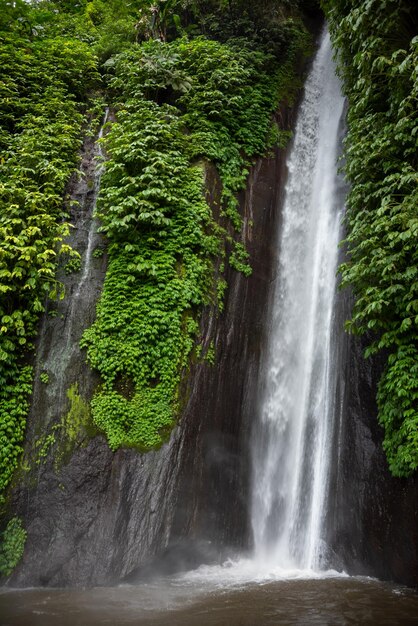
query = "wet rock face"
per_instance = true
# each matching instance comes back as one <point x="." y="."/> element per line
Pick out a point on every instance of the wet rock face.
<point x="98" y="516"/>
<point x="213" y="483"/>
<point x="92" y="522"/>
<point x="374" y="516"/>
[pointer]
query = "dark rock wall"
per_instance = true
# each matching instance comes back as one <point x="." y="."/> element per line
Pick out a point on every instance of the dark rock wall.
<point x="374" y="516"/>
<point x="213" y="488"/>
<point x="99" y="515"/>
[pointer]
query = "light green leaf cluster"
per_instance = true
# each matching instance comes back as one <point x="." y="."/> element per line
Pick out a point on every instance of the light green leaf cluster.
<point x="12" y="546"/>
<point x="43" y="82"/>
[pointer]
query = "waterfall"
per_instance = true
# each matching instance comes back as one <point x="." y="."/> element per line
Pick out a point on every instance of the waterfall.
<point x="58" y="352"/>
<point x="92" y="236"/>
<point x="293" y="435"/>
<point x="80" y="296"/>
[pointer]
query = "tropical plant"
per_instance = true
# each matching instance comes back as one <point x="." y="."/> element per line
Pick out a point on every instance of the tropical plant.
<point x="377" y="49"/>
<point x="164" y="243"/>
<point x="12" y="546"/>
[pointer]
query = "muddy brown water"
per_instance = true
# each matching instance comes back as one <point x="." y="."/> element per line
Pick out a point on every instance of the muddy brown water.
<point x="179" y="602"/>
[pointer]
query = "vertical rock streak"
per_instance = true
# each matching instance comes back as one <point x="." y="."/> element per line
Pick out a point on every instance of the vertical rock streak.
<point x="58" y="351"/>
<point x="292" y="439"/>
<point x="92" y="239"/>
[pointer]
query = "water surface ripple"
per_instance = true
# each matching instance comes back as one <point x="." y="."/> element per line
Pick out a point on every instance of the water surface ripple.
<point x="191" y="601"/>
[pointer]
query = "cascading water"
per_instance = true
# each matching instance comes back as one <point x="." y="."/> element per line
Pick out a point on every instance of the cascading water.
<point x="292" y="440"/>
<point x="58" y="352"/>
<point x="91" y="238"/>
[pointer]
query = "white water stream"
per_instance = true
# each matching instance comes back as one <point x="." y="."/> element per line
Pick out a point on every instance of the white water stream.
<point x="292" y="441"/>
<point x="92" y="231"/>
<point x="68" y="347"/>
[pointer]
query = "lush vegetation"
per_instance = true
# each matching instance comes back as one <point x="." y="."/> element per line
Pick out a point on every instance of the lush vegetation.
<point x="377" y="47"/>
<point x="190" y="82"/>
<point x="180" y="104"/>
<point x="43" y="87"/>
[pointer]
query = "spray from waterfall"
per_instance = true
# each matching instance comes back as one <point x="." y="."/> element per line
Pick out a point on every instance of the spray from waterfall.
<point x="293" y="436"/>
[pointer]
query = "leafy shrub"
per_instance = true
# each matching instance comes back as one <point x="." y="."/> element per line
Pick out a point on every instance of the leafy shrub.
<point x="161" y="239"/>
<point x="181" y="104"/>
<point x="378" y="61"/>
<point x="44" y="377"/>
<point x="178" y="105"/>
<point x="73" y="264"/>
<point x="12" y="546"/>
<point x="44" y="82"/>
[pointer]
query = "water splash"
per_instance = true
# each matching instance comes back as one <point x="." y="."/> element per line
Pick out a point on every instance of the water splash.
<point x="292" y="441"/>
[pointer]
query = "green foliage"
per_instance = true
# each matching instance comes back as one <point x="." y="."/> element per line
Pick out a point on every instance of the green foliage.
<point x="98" y="252"/>
<point x="44" y="377"/>
<point x="221" y="287"/>
<point x="278" y="138"/>
<point x="210" y="356"/>
<point x="181" y="104"/>
<point x="77" y="422"/>
<point x="239" y="260"/>
<point x="42" y="446"/>
<point x="266" y="25"/>
<point x="74" y="428"/>
<point x="178" y="105"/>
<point x="12" y="546"/>
<point x="378" y="61"/>
<point x="44" y="81"/>
<point x="397" y="401"/>
<point x="73" y="264"/>
<point x="14" y="405"/>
